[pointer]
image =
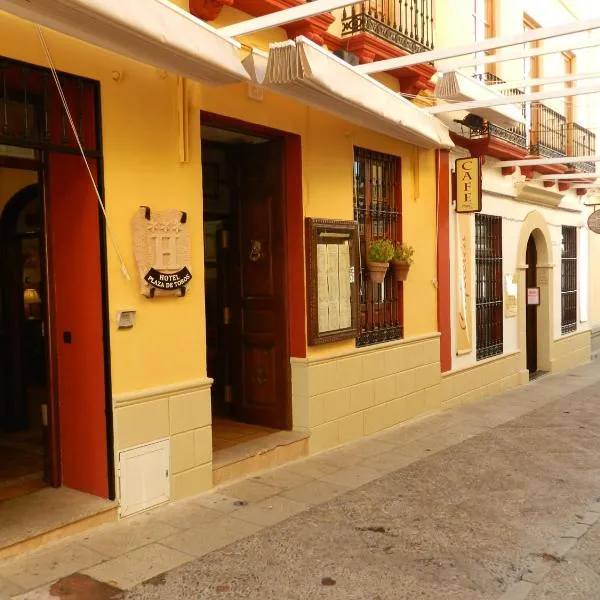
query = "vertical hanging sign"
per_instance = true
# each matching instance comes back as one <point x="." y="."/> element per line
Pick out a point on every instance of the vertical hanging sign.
<point x="463" y="314"/>
<point x="468" y="185"/>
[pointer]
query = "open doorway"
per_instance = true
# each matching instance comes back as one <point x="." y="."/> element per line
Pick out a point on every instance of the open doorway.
<point x="25" y="457"/>
<point x="531" y="308"/>
<point x="245" y="283"/>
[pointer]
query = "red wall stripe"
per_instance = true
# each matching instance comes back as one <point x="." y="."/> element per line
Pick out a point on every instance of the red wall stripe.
<point x="443" y="265"/>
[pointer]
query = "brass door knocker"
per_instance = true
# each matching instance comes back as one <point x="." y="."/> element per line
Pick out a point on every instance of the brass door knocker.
<point x="255" y="253"/>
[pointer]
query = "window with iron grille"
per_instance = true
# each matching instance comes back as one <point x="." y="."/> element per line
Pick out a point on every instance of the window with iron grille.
<point x="489" y="296"/>
<point x="568" y="286"/>
<point x="378" y="210"/>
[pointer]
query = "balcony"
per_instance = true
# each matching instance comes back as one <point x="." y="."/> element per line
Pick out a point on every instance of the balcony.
<point x="516" y="135"/>
<point x="408" y="24"/>
<point x="581" y="142"/>
<point x="548" y="133"/>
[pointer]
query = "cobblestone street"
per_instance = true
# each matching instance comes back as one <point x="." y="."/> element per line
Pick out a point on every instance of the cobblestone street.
<point x="494" y="500"/>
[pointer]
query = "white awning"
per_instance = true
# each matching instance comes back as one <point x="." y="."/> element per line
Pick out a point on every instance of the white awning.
<point x="457" y="87"/>
<point x="157" y="33"/>
<point x="307" y="72"/>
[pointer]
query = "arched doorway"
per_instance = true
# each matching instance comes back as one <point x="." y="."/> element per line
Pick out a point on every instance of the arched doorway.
<point x="23" y="395"/>
<point x="535" y="296"/>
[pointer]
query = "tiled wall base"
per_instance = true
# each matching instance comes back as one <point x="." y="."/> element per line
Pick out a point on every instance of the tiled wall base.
<point x="571" y="350"/>
<point x="481" y="380"/>
<point x="180" y="412"/>
<point x="343" y="397"/>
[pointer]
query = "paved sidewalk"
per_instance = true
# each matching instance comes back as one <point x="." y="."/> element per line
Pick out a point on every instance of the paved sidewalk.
<point x="495" y="500"/>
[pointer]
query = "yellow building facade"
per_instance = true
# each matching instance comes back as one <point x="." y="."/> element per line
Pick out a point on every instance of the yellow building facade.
<point x="154" y="126"/>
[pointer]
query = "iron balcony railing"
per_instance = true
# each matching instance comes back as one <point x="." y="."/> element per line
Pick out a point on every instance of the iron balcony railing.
<point x="548" y="132"/>
<point x="517" y="134"/>
<point x="407" y="24"/>
<point x="581" y="142"/>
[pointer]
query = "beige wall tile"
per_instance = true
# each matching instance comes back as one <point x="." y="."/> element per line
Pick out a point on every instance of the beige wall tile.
<point x="350" y="371"/>
<point x="315" y="411"/>
<point x="182" y="452"/>
<point x="300" y="413"/>
<point x="385" y="389"/>
<point x="433" y="398"/>
<point x="141" y="423"/>
<point x="335" y="405"/>
<point x="427" y="375"/>
<point x="362" y="396"/>
<point x="352" y="427"/>
<point x="323" y="378"/>
<point x="395" y="360"/>
<point x="202" y="446"/>
<point x="192" y="482"/>
<point x="324" y="437"/>
<point x="431" y="351"/>
<point x="416" y="404"/>
<point x="189" y="411"/>
<point x="300" y="379"/>
<point x="406" y="382"/>
<point x="374" y="365"/>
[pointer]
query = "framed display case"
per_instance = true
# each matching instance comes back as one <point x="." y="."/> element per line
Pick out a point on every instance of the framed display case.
<point x="332" y="271"/>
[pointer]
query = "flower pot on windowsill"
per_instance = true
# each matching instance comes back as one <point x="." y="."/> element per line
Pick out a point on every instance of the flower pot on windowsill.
<point x="401" y="269"/>
<point x="377" y="271"/>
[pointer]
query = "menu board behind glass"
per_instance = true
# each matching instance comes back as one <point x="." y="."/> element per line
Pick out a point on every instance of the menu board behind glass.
<point x="331" y="256"/>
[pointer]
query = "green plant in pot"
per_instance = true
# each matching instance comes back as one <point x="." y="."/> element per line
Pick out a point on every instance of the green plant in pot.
<point x="379" y="254"/>
<point x="401" y="261"/>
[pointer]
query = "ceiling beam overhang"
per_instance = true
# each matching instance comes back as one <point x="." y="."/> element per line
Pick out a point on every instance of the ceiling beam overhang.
<point x="282" y="17"/>
<point x="567" y="176"/>
<point x="539" y="81"/>
<point x="516" y="55"/>
<point x="563" y="160"/>
<point x="514" y="99"/>
<point x="533" y="35"/>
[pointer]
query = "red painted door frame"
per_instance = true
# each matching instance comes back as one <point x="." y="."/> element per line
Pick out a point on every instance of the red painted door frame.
<point x="442" y="161"/>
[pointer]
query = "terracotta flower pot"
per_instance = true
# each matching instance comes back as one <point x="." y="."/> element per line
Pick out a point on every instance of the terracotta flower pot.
<point x="400" y="270"/>
<point x="377" y="271"/>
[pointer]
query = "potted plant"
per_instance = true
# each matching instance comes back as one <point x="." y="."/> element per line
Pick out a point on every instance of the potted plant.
<point x="401" y="261"/>
<point x="379" y="254"/>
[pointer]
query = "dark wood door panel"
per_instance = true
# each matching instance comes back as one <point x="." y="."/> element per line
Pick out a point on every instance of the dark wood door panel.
<point x="261" y="306"/>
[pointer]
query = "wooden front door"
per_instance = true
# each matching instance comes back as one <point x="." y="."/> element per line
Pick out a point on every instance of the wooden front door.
<point x="260" y="376"/>
<point x="531" y="311"/>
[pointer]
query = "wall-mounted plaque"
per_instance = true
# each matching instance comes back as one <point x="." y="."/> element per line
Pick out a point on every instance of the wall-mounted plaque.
<point x="161" y="244"/>
<point x="331" y="273"/>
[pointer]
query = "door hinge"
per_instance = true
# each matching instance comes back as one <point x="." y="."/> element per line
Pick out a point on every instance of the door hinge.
<point x="226" y="315"/>
<point x="228" y="394"/>
<point x="167" y="473"/>
<point x="224" y="239"/>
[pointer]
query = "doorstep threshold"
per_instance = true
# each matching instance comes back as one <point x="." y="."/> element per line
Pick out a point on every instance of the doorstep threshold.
<point x="48" y="515"/>
<point x="250" y="457"/>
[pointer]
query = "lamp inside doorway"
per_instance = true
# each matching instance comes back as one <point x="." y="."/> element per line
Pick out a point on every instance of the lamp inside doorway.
<point x="31" y="299"/>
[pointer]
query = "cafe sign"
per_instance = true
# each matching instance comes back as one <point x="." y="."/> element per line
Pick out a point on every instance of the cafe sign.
<point x="594" y="221"/>
<point x="468" y="184"/>
<point x="161" y="243"/>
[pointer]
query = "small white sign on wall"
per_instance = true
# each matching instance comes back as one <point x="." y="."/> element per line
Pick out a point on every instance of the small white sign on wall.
<point x="533" y="296"/>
